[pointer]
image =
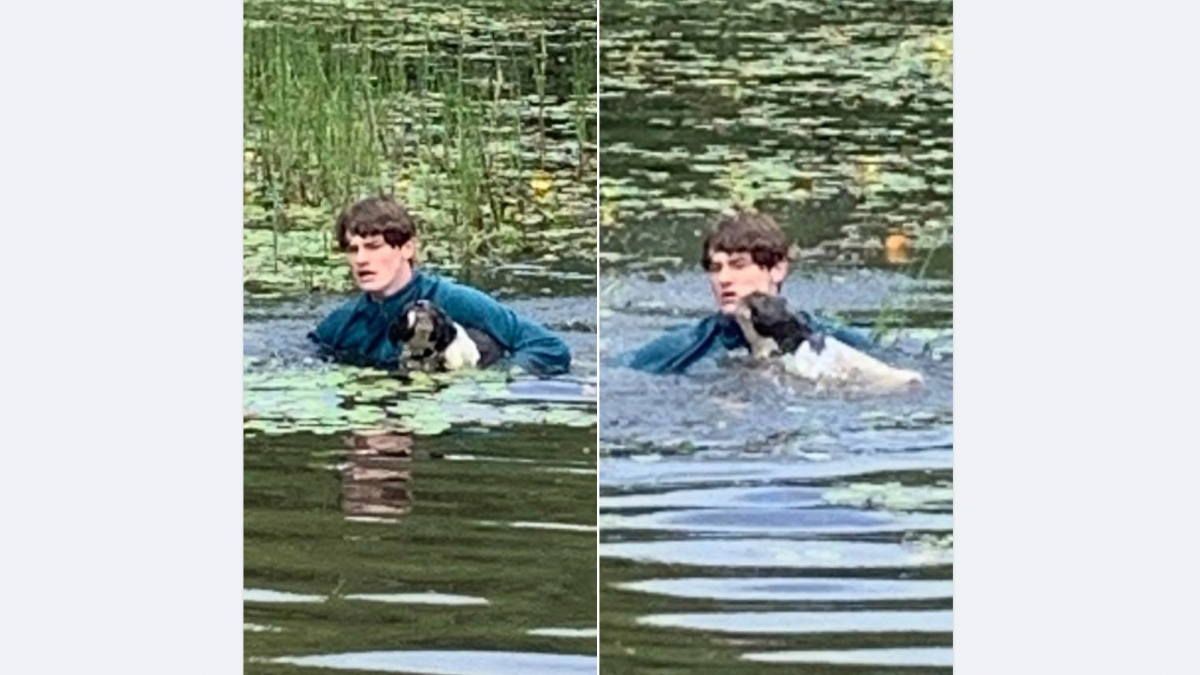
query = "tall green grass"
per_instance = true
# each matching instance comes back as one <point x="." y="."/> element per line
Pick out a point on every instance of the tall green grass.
<point x="452" y="123"/>
<point x="583" y="104"/>
<point x="319" y="109"/>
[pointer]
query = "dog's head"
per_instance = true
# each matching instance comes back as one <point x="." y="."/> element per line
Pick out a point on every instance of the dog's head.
<point x="767" y="317"/>
<point x="424" y="329"/>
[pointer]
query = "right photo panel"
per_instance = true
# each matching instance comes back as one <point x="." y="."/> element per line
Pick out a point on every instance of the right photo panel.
<point x="776" y="337"/>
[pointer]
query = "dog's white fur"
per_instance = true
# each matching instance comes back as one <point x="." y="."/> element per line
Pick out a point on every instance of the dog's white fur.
<point x="840" y="363"/>
<point x="462" y="352"/>
<point x="837" y="363"/>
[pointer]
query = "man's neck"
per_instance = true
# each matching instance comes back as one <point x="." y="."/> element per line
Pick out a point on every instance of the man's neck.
<point x="396" y="288"/>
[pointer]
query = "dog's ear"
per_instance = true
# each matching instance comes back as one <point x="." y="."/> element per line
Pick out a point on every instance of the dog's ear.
<point x="400" y="330"/>
<point x="791" y="339"/>
<point x="444" y="331"/>
<point x="799" y="331"/>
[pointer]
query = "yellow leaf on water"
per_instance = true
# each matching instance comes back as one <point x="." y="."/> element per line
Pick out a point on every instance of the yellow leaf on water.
<point x="897" y="248"/>
<point x="541" y="183"/>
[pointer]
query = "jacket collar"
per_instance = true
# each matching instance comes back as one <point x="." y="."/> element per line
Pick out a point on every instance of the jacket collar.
<point x="729" y="333"/>
<point x="390" y="306"/>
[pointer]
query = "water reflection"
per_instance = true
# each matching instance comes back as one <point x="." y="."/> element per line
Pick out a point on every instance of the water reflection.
<point x="793" y="589"/>
<point x="807" y="622"/>
<point x="372" y="540"/>
<point x="778" y="521"/>
<point x="776" y="553"/>
<point x="267" y="596"/>
<point x="428" y="598"/>
<point x="451" y="662"/>
<point x="377" y="475"/>
<point x="564" y="632"/>
<point x="929" y="657"/>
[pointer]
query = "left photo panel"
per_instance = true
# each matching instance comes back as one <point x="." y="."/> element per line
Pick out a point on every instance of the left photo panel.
<point x="420" y="336"/>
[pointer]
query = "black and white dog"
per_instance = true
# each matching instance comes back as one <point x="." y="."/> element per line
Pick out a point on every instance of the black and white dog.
<point x="772" y="330"/>
<point x="435" y="342"/>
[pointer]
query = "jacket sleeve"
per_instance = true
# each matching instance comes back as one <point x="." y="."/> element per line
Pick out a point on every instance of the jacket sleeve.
<point x="325" y="335"/>
<point x="844" y="334"/>
<point x="674" y="352"/>
<point x="533" y="347"/>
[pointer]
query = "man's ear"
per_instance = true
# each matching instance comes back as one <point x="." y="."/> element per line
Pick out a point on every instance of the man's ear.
<point x="779" y="273"/>
<point x="409" y="250"/>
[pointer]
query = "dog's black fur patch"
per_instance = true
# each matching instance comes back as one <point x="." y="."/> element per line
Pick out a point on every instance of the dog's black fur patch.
<point x="489" y="350"/>
<point x="399" y="330"/>
<point x="444" y="331"/>
<point x="770" y="316"/>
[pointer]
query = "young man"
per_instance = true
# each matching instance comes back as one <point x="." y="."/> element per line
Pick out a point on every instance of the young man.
<point x="379" y="239"/>
<point x="744" y="253"/>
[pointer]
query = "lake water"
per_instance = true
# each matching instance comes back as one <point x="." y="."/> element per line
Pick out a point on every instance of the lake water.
<point x="748" y="519"/>
<point x="433" y="526"/>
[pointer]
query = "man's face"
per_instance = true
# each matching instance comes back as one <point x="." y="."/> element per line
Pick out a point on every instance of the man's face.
<point x="733" y="276"/>
<point x="379" y="268"/>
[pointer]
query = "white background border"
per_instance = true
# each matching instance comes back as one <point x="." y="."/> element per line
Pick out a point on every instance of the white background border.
<point x="1076" y="147"/>
<point x="1076" y="241"/>
<point x="120" y="170"/>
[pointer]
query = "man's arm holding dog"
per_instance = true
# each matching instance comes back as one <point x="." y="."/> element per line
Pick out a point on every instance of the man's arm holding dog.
<point x="675" y="351"/>
<point x="844" y="334"/>
<point x="347" y="337"/>
<point x="679" y="349"/>
<point x="533" y="347"/>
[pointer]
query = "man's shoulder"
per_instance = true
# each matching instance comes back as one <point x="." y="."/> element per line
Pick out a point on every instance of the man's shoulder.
<point x="347" y="309"/>
<point x="852" y="336"/>
<point x="695" y="329"/>
<point x="439" y="288"/>
<point x="458" y="299"/>
<point x="336" y="320"/>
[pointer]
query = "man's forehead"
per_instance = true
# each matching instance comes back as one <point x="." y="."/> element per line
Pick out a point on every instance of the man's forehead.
<point x="360" y="239"/>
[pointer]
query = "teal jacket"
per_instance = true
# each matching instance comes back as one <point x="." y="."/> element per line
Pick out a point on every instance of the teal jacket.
<point x="679" y="349"/>
<point x="357" y="331"/>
